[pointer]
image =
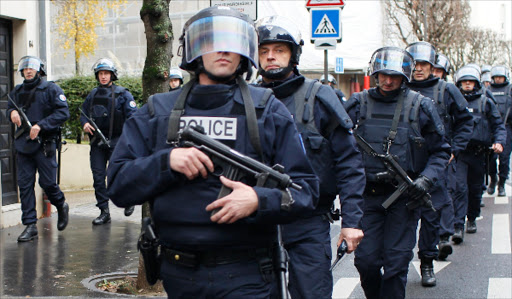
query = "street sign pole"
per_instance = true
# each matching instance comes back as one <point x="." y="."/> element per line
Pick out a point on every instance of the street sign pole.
<point x="326" y="66"/>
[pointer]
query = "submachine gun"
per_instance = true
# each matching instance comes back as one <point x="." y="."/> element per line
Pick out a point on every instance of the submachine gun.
<point x="235" y="166"/>
<point x="397" y="174"/>
<point x="97" y="132"/>
<point x="26" y="125"/>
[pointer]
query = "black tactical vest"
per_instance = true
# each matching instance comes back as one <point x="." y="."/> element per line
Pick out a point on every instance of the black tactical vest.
<point x="481" y="135"/>
<point x="407" y="145"/>
<point x="503" y="100"/>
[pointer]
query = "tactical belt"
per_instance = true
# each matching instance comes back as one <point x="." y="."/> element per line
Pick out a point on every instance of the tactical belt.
<point x="213" y="258"/>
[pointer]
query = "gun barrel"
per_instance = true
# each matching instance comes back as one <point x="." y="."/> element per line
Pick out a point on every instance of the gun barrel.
<point x="195" y="135"/>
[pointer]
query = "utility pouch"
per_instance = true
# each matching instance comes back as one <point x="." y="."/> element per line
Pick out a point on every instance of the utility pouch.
<point x="149" y="248"/>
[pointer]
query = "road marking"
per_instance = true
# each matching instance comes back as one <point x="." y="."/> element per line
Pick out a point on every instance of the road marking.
<point x="344" y="287"/>
<point x="500" y="234"/>
<point x="438" y="266"/>
<point x="499" y="288"/>
<point x="501" y="200"/>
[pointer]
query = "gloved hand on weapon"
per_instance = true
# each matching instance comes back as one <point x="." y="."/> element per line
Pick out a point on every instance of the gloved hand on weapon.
<point x="420" y="187"/>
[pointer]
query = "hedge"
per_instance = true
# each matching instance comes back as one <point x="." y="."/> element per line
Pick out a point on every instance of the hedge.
<point x="76" y="90"/>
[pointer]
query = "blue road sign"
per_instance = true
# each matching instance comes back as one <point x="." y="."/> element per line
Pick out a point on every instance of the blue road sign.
<point x="339" y="66"/>
<point x="325" y="23"/>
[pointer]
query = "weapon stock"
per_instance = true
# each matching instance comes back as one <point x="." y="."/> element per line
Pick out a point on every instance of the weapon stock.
<point x="397" y="173"/>
<point x="97" y="130"/>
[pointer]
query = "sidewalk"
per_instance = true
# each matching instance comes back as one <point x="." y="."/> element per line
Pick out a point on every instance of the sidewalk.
<point x="55" y="264"/>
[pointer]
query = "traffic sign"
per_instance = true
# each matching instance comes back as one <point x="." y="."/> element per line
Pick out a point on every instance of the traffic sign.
<point x="324" y="3"/>
<point x="325" y="44"/>
<point x="339" y="69"/>
<point x="325" y="23"/>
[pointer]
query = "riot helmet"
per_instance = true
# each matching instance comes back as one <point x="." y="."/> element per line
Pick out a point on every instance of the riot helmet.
<point x="330" y="79"/>
<point x="486" y="77"/>
<point x="218" y="29"/>
<point x="442" y="62"/>
<point x="176" y="74"/>
<point x="500" y="70"/>
<point x="486" y="68"/>
<point x="422" y="51"/>
<point x="392" y="61"/>
<point x="280" y="29"/>
<point x="475" y="66"/>
<point x="31" y="62"/>
<point x="105" y="64"/>
<point x="467" y="72"/>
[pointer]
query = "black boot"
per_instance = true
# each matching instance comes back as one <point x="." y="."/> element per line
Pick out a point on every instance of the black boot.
<point x="492" y="185"/>
<point x="501" y="188"/>
<point x="128" y="211"/>
<point x="445" y="248"/>
<point x="471" y="228"/>
<point x="103" y="218"/>
<point x="63" y="212"/>
<point x="458" y="236"/>
<point x="30" y="233"/>
<point x="428" y="278"/>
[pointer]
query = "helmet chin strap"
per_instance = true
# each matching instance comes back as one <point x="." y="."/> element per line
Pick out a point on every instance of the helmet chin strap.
<point x="277" y="74"/>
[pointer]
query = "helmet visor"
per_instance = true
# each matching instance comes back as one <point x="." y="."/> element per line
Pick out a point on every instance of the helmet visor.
<point x="29" y="63"/>
<point x="499" y="71"/>
<point x="221" y="34"/>
<point x="467" y="73"/>
<point x="392" y="61"/>
<point x="423" y="52"/>
<point x="486" y="77"/>
<point x="442" y="62"/>
<point x="103" y="64"/>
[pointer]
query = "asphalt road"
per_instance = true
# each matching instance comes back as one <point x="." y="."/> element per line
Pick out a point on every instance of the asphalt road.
<point x="480" y="267"/>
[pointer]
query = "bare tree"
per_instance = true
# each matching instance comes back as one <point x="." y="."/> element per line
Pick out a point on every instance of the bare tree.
<point x="445" y="24"/>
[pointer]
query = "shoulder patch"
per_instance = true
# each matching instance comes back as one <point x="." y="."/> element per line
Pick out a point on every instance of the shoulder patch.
<point x="133" y="104"/>
<point x="62" y="98"/>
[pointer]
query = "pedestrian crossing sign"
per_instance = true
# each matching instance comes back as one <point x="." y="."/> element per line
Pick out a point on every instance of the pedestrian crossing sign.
<point x="325" y="23"/>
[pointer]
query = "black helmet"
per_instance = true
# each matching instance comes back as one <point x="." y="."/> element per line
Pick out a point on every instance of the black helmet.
<point x="422" y="51"/>
<point x="442" y="62"/>
<point x="500" y="70"/>
<point x="105" y="64"/>
<point x="330" y="79"/>
<point x="31" y="62"/>
<point x="219" y="29"/>
<point x="392" y="61"/>
<point x="468" y="72"/>
<point x="280" y="29"/>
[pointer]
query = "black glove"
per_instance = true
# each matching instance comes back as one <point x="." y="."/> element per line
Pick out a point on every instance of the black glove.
<point x="420" y="187"/>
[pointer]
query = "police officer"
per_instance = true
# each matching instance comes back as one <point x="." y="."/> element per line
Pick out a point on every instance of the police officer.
<point x="108" y="106"/>
<point x="331" y="149"/>
<point x="442" y="66"/>
<point x="394" y="119"/>
<point x="45" y="106"/>
<point x="437" y="227"/>
<point x="225" y="255"/>
<point x="175" y="79"/>
<point x="488" y="131"/>
<point x="502" y="92"/>
<point x="332" y="83"/>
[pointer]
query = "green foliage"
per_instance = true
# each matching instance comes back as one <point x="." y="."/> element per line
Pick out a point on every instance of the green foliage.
<point x="76" y="90"/>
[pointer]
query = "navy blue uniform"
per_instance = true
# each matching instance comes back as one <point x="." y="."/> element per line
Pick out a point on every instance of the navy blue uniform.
<point x="488" y="129"/>
<point x="335" y="158"/>
<point x="458" y="122"/>
<point x="98" y="106"/>
<point x="44" y="104"/>
<point x="139" y="171"/>
<point x="340" y="95"/>
<point x="421" y="149"/>
<point x="503" y="99"/>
